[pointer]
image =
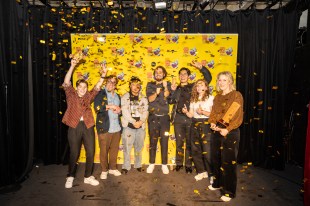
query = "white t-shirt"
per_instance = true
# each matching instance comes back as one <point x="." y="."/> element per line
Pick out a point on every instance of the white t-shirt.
<point x="205" y="105"/>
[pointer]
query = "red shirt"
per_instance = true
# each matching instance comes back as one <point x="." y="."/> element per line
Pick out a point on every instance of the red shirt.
<point x="78" y="107"/>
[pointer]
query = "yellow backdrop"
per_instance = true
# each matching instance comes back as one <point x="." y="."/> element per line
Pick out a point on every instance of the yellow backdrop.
<point x="129" y="55"/>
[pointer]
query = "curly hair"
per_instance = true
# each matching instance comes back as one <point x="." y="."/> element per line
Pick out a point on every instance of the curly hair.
<point x="195" y="94"/>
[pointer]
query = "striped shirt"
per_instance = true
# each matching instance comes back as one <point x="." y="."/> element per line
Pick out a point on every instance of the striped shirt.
<point x="78" y="107"/>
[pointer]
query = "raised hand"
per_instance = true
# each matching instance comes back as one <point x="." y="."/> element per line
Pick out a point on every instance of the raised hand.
<point x="196" y="64"/>
<point x="103" y="70"/>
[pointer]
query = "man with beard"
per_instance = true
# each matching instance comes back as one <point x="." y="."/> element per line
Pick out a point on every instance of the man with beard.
<point x="159" y="121"/>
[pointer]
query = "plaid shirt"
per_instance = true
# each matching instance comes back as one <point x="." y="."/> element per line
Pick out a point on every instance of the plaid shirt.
<point x="78" y="107"/>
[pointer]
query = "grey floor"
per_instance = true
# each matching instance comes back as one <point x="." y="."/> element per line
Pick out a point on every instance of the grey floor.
<point x="256" y="186"/>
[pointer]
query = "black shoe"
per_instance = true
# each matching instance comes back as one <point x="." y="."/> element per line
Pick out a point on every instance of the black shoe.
<point x="178" y="167"/>
<point x="124" y="171"/>
<point x="188" y="170"/>
<point x="139" y="169"/>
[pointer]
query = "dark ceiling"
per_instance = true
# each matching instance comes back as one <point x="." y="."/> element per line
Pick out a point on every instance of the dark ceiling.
<point x="176" y="5"/>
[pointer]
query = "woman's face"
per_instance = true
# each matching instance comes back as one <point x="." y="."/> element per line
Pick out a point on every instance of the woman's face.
<point x="224" y="83"/>
<point x="81" y="89"/>
<point x="201" y="87"/>
<point x="135" y="88"/>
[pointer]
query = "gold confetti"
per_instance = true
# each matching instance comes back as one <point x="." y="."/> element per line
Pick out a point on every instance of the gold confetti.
<point x="259" y="90"/>
<point x="249" y="163"/>
<point x="60" y="112"/>
<point x="261" y="131"/>
<point x="13" y="62"/>
<point x="42" y="41"/>
<point x="233" y="162"/>
<point x="197" y="192"/>
<point x="65" y="40"/>
<point x="53" y="56"/>
<point x="260" y="102"/>
<point x="269" y="108"/>
<point x="218" y="24"/>
<point x="21" y="57"/>
<point x="207" y="21"/>
<point x="275" y="87"/>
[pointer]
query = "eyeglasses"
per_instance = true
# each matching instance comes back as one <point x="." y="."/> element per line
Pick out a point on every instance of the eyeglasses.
<point x="112" y="82"/>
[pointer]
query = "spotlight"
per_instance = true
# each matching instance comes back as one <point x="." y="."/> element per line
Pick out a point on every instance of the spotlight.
<point x="204" y="4"/>
<point x="159" y="4"/>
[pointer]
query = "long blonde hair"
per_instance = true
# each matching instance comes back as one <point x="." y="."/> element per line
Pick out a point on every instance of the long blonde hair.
<point x="229" y="77"/>
<point x="195" y="95"/>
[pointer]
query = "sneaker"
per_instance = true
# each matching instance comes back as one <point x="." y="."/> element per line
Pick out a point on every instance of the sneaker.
<point x="165" y="169"/>
<point x="104" y="175"/>
<point x="150" y="168"/>
<point x="188" y="170"/>
<point x="91" y="180"/>
<point x="225" y="198"/>
<point x="200" y="176"/>
<point x="115" y="172"/>
<point x="212" y="188"/>
<point x="178" y="167"/>
<point x="124" y="171"/>
<point x="69" y="182"/>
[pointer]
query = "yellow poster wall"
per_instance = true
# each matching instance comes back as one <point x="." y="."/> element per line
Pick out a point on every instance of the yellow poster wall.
<point x="128" y="55"/>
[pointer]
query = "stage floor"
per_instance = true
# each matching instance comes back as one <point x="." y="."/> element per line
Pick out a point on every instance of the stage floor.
<point x="256" y="186"/>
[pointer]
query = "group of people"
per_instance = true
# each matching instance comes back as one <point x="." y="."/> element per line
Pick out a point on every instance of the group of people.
<point x="206" y="127"/>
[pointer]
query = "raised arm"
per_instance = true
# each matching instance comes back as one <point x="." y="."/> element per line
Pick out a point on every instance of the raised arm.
<point x="68" y="76"/>
<point x="103" y="73"/>
<point x="205" y="72"/>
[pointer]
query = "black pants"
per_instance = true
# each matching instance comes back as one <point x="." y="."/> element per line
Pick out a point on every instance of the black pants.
<point x="201" y="146"/>
<point x="158" y="125"/>
<point x="75" y="138"/>
<point x="224" y="161"/>
<point x="182" y="133"/>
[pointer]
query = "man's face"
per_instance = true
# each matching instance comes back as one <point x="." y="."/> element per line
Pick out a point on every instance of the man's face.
<point x="135" y="88"/>
<point x="111" y="84"/>
<point x="159" y="74"/>
<point x="81" y="89"/>
<point x="183" y="76"/>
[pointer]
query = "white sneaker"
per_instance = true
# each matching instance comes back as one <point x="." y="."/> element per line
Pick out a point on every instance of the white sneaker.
<point x="115" y="172"/>
<point x="104" y="175"/>
<point x="212" y="188"/>
<point x="225" y="198"/>
<point x="165" y="169"/>
<point x="150" y="168"/>
<point x="200" y="176"/>
<point x="69" y="182"/>
<point x="91" y="180"/>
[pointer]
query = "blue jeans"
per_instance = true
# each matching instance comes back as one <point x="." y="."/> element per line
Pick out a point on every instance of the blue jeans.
<point x="135" y="138"/>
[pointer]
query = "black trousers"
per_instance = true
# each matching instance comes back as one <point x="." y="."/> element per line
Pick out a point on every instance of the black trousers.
<point x="158" y="125"/>
<point x="182" y="126"/>
<point x="77" y="136"/>
<point x="201" y="145"/>
<point x="224" y="161"/>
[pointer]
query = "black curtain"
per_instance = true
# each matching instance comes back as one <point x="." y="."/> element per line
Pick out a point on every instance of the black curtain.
<point x="265" y="58"/>
<point x="15" y="120"/>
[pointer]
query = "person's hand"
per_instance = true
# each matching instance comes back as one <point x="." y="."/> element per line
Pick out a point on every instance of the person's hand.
<point x="116" y="109"/>
<point x="137" y="124"/>
<point x="184" y="109"/>
<point x="212" y="126"/>
<point x="224" y="132"/>
<point x="165" y="84"/>
<point x="196" y="64"/>
<point x="199" y="111"/>
<point x="158" y="90"/>
<point x="103" y="70"/>
<point x="74" y="62"/>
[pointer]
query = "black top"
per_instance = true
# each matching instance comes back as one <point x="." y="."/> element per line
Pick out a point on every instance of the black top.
<point x="160" y="105"/>
<point x="134" y="104"/>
